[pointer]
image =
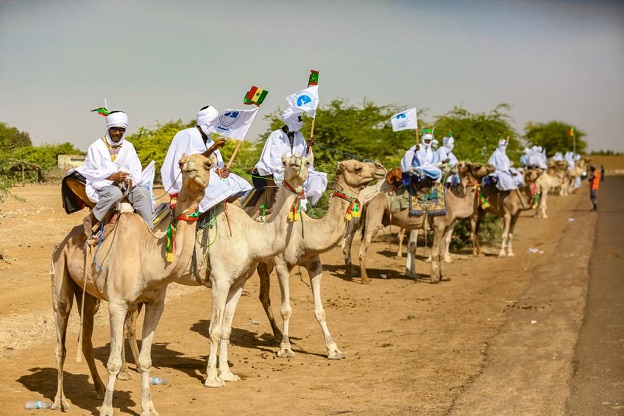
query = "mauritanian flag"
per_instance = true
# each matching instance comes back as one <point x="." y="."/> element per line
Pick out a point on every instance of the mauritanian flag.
<point x="255" y="96"/>
<point x="405" y="120"/>
<point x="101" y="111"/>
<point x="314" y="76"/>
<point x="571" y="132"/>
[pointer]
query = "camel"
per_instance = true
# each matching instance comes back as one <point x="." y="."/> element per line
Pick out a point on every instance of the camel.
<point x="577" y="171"/>
<point x="247" y="245"/>
<point x="553" y="178"/>
<point x="508" y="205"/>
<point x="310" y="238"/>
<point x="128" y="267"/>
<point x="462" y="201"/>
<point x="235" y="254"/>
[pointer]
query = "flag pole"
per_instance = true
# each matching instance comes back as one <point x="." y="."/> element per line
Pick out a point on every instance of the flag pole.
<point x="238" y="146"/>
<point x="312" y="80"/>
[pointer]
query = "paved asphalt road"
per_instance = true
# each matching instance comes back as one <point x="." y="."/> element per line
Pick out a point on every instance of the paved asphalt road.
<point x="597" y="387"/>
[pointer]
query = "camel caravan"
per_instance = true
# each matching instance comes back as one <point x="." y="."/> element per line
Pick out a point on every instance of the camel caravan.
<point x="222" y="245"/>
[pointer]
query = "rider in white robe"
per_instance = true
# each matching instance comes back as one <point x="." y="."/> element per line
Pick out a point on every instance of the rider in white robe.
<point x="289" y="140"/>
<point x="419" y="160"/>
<point x="444" y="155"/>
<point x="197" y="140"/>
<point x="508" y="177"/>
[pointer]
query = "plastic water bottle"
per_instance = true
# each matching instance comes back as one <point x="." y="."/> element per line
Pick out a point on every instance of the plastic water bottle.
<point x="157" y="380"/>
<point x="38" y="405"/>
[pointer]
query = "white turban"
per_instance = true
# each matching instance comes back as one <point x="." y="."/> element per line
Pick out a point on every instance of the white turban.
<point x="206" y="115"/>
<point x="426" y="136"/>
<point x="502" y="144"/>
<point x="117" y="119"/>
<point x="448" y="142"/>
<point x="291" y="119"/>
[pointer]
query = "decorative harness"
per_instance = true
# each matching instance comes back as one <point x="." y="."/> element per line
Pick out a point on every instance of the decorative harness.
<point x="294" y="214"/>
<point x="189" y="215"/>
<point x="353" y="211"/>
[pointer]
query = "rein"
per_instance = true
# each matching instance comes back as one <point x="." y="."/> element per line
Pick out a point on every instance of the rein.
<point x="189" y="215"/>
<point x="354" y="204"/>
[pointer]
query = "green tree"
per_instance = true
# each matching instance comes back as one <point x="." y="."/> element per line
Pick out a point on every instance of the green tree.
<point x="12" y="138"/>
<point x="554" y="136"/>
<point x="477" y="134"/>
<point x="45" y="156"/>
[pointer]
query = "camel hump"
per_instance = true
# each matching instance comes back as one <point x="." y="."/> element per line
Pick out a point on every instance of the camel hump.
<point x="217" y="145"/>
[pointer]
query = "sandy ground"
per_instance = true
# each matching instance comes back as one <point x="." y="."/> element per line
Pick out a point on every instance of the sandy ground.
<point x="497" y="339"/>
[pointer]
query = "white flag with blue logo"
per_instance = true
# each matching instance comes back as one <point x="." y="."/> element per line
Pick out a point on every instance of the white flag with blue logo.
<point x="305" y="100"/>
<point x="233" y="123"/>
<point x="405" y="120"/>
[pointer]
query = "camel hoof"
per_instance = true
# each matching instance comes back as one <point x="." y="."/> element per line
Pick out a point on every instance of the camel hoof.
<point x="125" y="375"/>
<point x="106" y="411"/>
<point x="214" y="382"/>
<point x="228" y="376"/>
<point x="336" y="355"/>
<point x="510" y="254"/>
<point x="286" y="353"/>
<point x="366" y="281"/>
<point x="60" y="404"/>
<point x="447" y="260"/>
<point x="149" y="410"/>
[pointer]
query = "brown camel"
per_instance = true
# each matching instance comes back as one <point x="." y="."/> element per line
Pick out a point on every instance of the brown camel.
<point x="508" y="205"/>
<point x="555" y="177"/>
<point x="462" y="201"/>
<point x="129" y="267"/>
<point x="310" y="238"/>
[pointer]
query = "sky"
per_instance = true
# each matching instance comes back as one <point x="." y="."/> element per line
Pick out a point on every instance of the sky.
<point x="161" y="61"/>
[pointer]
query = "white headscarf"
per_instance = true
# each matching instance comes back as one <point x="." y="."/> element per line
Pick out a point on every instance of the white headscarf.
<point x="502" y="144"/>
<point x="291" y="119"/>
<point x="427" y="136"/>
<point x="448" y="142"/>
<point x="117" y="119"/>
<point x="205" y="116"/>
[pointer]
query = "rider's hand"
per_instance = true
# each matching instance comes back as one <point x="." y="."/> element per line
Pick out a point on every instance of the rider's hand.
<point x="312" y="141"/>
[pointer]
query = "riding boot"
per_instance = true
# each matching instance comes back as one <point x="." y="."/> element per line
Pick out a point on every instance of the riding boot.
<point x="88" y="223"/>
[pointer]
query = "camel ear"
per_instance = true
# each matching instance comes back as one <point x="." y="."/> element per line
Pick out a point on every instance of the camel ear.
<point x="216" y="146"/>
<point x="339" y="168"/>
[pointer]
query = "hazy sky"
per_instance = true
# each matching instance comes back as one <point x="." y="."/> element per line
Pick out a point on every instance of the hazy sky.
<point x="161" y="60"/>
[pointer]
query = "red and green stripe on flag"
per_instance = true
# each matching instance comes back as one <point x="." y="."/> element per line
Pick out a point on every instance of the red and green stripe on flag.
<point x="255" y="96"/>
<point x="101" y="111"/>
<point x="314" y="76"/>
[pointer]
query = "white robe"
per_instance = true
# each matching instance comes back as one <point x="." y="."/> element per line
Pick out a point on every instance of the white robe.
<point x="189" y="141"/>
<point x="270" y="163"/>
<point x="421" y="161"/>
<point x="98" y="166"/>
<point x="444" y="153"/>
<point x="508" y="177"/>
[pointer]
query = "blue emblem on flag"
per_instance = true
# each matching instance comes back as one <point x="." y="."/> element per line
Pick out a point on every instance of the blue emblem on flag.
<point x="304" y="100"/>
<point x="228" y="119"/>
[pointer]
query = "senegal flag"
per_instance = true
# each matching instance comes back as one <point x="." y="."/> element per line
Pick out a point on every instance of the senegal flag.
<point x="314" y="76"/>
<point x="101" y="111"/>
<point x="255" y="96"/>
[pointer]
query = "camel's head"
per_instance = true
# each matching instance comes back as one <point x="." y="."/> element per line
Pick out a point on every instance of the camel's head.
<point x="531" y="175"/>
<point x="474" y="172"/>
<point x="296" y="169"/>
<point x="561" y="165"/>
<point x="196" y="168"/>
<point x="356" y="175"/>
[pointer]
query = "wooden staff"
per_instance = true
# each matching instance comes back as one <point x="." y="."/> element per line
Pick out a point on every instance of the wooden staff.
<point x="311" y="135"/>
<point x="238" y="146"/>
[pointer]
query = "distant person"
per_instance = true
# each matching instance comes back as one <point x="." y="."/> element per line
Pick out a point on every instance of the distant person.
<point x="594" y="184"/>
<point x="602" y="175"/>
<point x="444" y="155"/>
<point x="508" y="177"/>
<point x="112" y="169"/>
<point x="223" y="185"/>
<point x="419" y="162"/>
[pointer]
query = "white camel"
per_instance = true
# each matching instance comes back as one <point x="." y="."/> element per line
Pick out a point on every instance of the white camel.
<point x="127" y="268"/>
<point x="310" y="238"/>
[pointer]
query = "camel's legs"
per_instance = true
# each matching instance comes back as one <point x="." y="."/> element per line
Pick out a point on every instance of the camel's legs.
<point x="448" y="235"/>
<point x="367" y="237"/>
<point x="412" y="248"/>
<point x="475" y="223"/>
<point x="283" y="276"/>
<point x="264" y="271"/>
<point x="401" y="236"/>
<point x="505" y="236"/>
<point x="225" y="374"/>
<point x="130" y="336"/>
<point x="347" y="244"/>
<point x="91" y="306"/>
<point x="437" y="247"/>
<point x="315" y="271"/>
<point x="219" y="297"/>
<point x="512" y="226"/>
<point x="117" y="315"/>
<point x="62" y="300"/>
<point x="153" y="312"/>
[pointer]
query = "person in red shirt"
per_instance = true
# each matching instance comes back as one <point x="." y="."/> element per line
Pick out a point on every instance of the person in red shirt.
<point x="594" y="184"/>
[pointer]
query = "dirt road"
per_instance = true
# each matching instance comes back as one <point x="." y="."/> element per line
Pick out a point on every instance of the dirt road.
<point x="497" y="339"/>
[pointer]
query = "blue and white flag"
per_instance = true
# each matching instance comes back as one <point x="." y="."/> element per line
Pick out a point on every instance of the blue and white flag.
<point x="405" y="120"/>
<point x="305" y="100"/>
<point x="233" y="123"/>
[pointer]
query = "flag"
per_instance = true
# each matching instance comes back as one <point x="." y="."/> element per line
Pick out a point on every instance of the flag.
<point x="101" y="111"/>
<point x="571" y="132"/>
<point x="314" y="75"/>
<point x="305" y="100"/>
<point x="405" y="120"/>
<point x="233" y="123"/>
<point x="255" y="96"/>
